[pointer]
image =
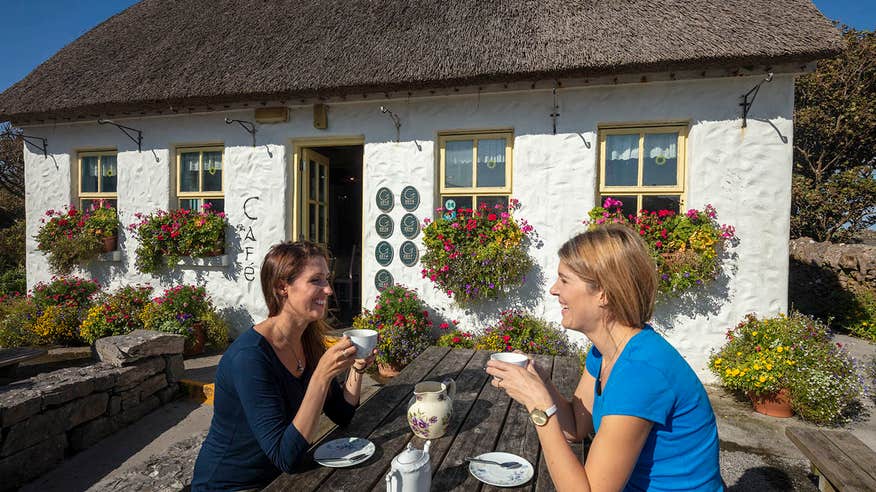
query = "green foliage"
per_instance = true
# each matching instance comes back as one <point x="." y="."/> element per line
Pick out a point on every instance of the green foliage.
<point x="168" y="236"/>
<point x="861" y="320"/>
<point x="178" y="309"/>
<point x="402" y="323"/>
<point x="13" y="281"/>
<point x="71" y="236"/>
<point x="834" y="190"/>
<point x="58" y="324"/>
<point x="517" y="330"/>
<point x="456" y="338"/>
<point x="477" y="255"/>
<point x="12" y="240"/>
<point x="103" y="221"/>
<point x="116" y="313"/>
<point x="76" y="290"/>
<point x="216" y="328"/>
<point x="686" y="247"/>
<point x="794" y="352"/>
<point x="17" y="316"/>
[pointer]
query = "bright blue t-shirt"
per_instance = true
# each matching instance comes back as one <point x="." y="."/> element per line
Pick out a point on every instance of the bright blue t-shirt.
<point x="252" y="438"/>
<point x="652" y="381"/>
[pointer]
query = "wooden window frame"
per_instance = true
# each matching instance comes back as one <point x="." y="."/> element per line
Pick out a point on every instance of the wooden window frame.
<point x="95" y="195"/>
<point x="640" y="190"/>
<point x="476" y="191"/>
<point x="199" y="195"/>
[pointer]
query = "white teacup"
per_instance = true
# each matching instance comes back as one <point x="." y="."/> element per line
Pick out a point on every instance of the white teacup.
<point x="363" y="340"/>
<point x="512" y="358"/>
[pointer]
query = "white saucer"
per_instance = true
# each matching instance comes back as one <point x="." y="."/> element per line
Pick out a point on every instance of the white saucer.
<point x="337" y="453"/>
<point x="498" y="476"/>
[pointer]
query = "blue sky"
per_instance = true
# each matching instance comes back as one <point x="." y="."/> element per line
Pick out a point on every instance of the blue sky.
<point x="31" y="31"/>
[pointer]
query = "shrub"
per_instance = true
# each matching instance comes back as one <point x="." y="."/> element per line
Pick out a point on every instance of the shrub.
<point x="402" y="323"/>
<point x="77" y="290"/>
<point x="72" y="236"/>
<point x="686" y="247"/>
<point x="168" y="236"/>
<point x="794" y="352"/>
<point x="861" y="319"/>
<point x="13" y="281"/>
<point x="115" y="314"/>
<point x="517" y="330"/>
<point x="12" y="240"/>
<point x="178" y="309"/>
<point x="477" y="255"/>
<point x="58" y="324"/>
<point x="455" y="338"/>
<point x="17" y="316"/>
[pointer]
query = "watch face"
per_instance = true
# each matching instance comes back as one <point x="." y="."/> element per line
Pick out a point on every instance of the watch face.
<point x="538" y="417"/>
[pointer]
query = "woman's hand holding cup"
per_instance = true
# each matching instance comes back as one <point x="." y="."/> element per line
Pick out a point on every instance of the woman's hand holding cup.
<point x="336" y="359"/>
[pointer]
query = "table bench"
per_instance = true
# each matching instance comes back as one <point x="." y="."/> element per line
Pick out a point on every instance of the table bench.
<point x="11" y="357"/>
<point x="841" y="461"/>
<point x="484" y="419"/>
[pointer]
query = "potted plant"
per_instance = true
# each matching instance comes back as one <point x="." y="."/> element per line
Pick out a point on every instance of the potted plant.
<point x="186" y="310"/>
<point x="103" y="222"/>
<point x="790" y="361"/>
<point x="686" y="247"/>
<point x="116" y="313"/>
<point x="69" y="236"/>
<point x="518" y="330"/>
<point x="403" y="326"/>
<point x="168" y="236"/>
<point x="477" y="255"/>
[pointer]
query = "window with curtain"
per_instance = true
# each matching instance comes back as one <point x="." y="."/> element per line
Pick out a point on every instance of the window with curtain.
<point x="199" y="178"/>
<point x="643" y="167"/>
<point x="98" y="178"/>
<point x="475" y="169"/>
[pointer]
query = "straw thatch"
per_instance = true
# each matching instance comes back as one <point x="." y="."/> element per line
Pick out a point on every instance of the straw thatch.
<point x="165" y="53"/>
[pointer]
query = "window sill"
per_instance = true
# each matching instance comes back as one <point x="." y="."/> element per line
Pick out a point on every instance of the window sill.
<point x="207" y="261"/>
<point x="110" y="257"/>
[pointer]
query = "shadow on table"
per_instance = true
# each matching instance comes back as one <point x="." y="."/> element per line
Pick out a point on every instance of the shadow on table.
<point x="452" y="476"/>
<point x="763" y="478"/>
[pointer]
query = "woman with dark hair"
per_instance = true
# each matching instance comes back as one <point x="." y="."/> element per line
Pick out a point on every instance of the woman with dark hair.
<point x="276" y="379"/>
<point x="654" y="425"/>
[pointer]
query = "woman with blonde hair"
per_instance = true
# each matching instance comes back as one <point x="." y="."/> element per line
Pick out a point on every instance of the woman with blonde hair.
<point x="653" y="423"/>
<point x="276" y="379"/>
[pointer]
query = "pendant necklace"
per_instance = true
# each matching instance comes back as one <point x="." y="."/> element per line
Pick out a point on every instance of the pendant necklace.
<point x="611" y="364"/>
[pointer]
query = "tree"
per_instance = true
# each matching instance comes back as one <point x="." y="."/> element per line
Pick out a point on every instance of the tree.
<point x="11" y="176"/>
<point x="834" y="182"/>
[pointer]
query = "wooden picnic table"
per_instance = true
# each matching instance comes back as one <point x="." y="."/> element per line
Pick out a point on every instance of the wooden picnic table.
<point x="484" y="419"/>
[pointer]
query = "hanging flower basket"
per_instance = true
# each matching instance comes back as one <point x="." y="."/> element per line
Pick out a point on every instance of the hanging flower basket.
<point x="110" y="244"/>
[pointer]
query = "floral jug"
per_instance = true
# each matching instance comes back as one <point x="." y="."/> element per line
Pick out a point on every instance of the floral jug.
<point x="431" y="407"/>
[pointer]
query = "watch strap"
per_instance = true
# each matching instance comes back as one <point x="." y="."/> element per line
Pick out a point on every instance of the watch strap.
<point x="549" y="411"/>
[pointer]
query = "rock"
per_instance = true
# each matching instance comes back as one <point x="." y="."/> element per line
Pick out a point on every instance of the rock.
<point x="31" y="462"/>
<point x="175" y="368"/>
<point x="17" y="404"/>
<point x="151" y="385"/>
<point x="35" y="429"/>
<point x="131" y="375"/>
<point x="86" y="409"/>
<point x="89" y="433"/>
<point x="139" y="344"/>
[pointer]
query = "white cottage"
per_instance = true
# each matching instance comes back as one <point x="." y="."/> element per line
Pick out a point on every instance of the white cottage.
<point x="311" y="119"/>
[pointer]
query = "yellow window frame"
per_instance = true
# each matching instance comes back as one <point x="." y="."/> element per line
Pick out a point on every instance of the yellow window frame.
<point x="99" y="194"/>
<point x="200" y="195"/>
<point x="641" y="190"/>
<point x="476" y="191"/>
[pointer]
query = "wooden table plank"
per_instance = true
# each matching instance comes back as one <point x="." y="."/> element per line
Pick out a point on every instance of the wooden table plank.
<point x="566" y="374"/>
<point x="830" y="460"/>
<point x="393" y="434"/>
<point x="855" y="449"/>
<point x="519" y="435"/>
<point x="368" y="416"/>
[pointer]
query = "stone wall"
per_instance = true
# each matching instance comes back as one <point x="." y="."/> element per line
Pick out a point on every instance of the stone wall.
<point x="50" y="415"/>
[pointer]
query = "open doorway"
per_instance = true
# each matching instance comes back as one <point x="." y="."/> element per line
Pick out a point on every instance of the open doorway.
<point x="329" y="211"/>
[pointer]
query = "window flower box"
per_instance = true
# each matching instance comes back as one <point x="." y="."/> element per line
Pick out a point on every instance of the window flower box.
<point x="166" y="238"/>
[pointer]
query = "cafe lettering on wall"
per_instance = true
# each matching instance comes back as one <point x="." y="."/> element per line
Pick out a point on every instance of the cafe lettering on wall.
<point x="383" y="253"/>
<point x="249" y="241"/>
<point x="384" y="226"/>
<point x="385" y="199"/>
<point x="408" y="253"/>
<point x="382" y="280"/>
<point x="409" y="226"/>
<point x="410" y="198"/>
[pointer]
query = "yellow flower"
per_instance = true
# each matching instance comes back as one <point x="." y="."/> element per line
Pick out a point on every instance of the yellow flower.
<point x="769" y="367"/>
<point x="754" y="333"/>
<point x="779" y="349"/>
<point x="762" y="379"/>
<point x="718" y="361"/>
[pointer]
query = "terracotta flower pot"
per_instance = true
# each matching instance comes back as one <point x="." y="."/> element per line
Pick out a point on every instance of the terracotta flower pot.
<point x="776" y="404"/>
<point x="195" y="345"/>
<point x="110" y="244"/>
<point x="387" y="370"/>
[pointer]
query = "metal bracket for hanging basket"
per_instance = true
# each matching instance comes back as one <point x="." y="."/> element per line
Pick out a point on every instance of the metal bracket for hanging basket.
<point x="28" y="139"/>
<point x="746" y="104"/>
<point x="127" y="131"/>
<point x="248" y="126"/>
<point x="395" y="120"/>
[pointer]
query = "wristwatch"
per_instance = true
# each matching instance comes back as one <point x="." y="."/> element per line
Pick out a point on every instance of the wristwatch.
<point x="540" y="417"/>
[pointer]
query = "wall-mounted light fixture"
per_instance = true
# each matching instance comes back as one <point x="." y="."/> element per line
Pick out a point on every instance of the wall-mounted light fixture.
<point x="746" y="104"/>
<point x="247" y="126"/>
<point x="27" y="139"/>
<point x="395" y="120"/>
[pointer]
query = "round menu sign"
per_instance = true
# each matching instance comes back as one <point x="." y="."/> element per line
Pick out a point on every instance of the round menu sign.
<point x="410" y="198"/>
<point x="409" y="226"/>
<point x="385" y="199"/>
<point x="383" y="253"/>
<point x="408" y="253"/>
<point x="382" y="280"/>
<point x="384" y="225"/>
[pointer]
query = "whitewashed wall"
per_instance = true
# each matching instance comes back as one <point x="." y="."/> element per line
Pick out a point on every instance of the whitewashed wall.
<point x="744" y="174"/>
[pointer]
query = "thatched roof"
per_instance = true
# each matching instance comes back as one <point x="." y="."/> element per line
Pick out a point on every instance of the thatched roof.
<point x="163" y="53"/>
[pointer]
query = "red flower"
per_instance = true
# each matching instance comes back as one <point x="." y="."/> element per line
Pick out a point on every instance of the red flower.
<point x="456" y="340"/>
<point x="444" y="326"/>
<point x="506" y="338"/>
<point x="71" y="212"/>
<point x="491" y="217"/>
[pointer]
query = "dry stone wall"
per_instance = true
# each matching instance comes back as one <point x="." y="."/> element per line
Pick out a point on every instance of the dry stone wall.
<point x="50" y="415"/>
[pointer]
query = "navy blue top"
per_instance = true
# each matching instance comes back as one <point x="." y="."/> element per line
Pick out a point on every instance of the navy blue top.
<point x="252" y="438"/>
<point x="652" y="381"/>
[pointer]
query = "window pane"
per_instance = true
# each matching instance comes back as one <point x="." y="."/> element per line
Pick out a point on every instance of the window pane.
<point x="453" y="203"/>
<point x="94" y="203"/>
<point x="188" y="171"/>
<point x="661" y="202"/>
<point x="457" y="163"/>
<point x="88" y="174"/>
<point x="313" y="222"/>
<point x="321" y="225"/>
<point x="189" y="204"/>
<point x="108" y="174"/>
<point x="630" y="203"/>
<point x="322" y="182"/>
<point x="621" y="160"/>
<point x="661" y="159"/>
<point x="491" y="162"/>
<point x="212" y="180"/>
<point x="216" y="204"/>
<point x="492" y="201"/>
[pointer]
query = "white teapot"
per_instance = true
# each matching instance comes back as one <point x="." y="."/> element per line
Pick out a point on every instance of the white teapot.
<point x="411" y="471"/>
